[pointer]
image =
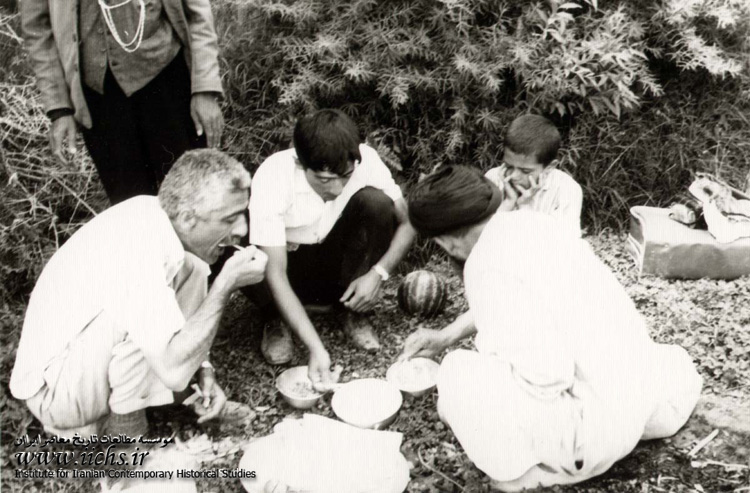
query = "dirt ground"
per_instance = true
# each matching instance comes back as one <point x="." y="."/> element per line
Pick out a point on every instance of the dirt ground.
<point x="711" y="319"/>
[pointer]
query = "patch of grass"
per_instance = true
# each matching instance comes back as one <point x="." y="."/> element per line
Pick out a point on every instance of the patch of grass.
<point x="710" y="314"/>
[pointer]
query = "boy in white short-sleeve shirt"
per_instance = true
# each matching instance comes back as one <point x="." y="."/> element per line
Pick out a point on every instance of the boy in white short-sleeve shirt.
<point x="334" y="225"/>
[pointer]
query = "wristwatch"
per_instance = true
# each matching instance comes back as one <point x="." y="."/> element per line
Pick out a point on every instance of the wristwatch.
<point x="381" y="272"/>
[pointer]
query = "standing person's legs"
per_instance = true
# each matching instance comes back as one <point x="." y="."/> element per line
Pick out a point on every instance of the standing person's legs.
<point x="135" y="140"/>
<point x="164" y="125"/>
<point x="114" y="144"/>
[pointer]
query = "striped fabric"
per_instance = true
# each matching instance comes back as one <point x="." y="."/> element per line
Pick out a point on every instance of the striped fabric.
<point x="560" y="197"/>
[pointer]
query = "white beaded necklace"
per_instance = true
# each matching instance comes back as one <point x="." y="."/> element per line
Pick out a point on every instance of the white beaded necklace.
<point x="137" y="37"/>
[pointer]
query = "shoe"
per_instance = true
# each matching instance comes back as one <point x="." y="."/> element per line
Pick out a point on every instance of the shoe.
<point x="360" y="331"/>
<point x="277" y="346"/>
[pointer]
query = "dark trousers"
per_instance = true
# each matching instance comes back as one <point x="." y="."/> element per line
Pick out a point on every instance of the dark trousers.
<point x="320" y="273"/>
<point x="135" y="140"/>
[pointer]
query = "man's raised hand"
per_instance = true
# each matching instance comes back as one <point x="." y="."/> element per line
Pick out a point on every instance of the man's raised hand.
<point x="247" y="266"/>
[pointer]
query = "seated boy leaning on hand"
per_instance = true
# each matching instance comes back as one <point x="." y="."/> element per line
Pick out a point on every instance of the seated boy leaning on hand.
<point x="530" y="180"/>
<point x="334" y="224"/>
<point x="529" y="177"/>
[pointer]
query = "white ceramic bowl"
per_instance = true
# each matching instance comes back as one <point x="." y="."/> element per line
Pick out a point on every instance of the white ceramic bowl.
<point x="367" y="403"/>
<point x="414" y="377"/>
<point x="296" y="388"/>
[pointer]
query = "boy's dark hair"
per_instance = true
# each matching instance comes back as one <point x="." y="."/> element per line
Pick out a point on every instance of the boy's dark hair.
<point x="326" y="141"/>
<point x="533" y="135"/>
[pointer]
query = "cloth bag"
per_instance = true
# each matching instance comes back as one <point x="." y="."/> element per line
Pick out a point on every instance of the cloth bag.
<point x="726" y="210"/>
<point x="663" y="247"/>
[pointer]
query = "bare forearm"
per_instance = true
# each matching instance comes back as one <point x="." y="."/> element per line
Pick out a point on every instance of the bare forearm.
<point x="190" y="346"/>
<point x="459" y="329"/>
<point x="400" y="244"/>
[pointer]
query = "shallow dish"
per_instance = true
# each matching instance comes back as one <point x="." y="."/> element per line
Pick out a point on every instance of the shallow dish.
<point x="296" y="388"/>
<point x="367" y="403"/>
<point x="414" y="377"/>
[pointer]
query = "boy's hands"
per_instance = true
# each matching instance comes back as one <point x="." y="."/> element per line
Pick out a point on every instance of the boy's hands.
<point x="319" y="371"/>
<point x="515" y="194"/>
<point x="526" y="193"/>
<point x="362" y="292"/>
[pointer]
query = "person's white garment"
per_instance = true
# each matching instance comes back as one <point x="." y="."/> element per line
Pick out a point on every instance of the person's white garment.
<point x="560" y="196"/>
<point x="107" y="302"/>
<point x="566" y="379"/>
<point x="285" y="209"/>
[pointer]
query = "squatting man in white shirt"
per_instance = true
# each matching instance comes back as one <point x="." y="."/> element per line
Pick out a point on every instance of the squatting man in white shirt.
<point x="565" y="379"/>
<point x="121" y="316"/>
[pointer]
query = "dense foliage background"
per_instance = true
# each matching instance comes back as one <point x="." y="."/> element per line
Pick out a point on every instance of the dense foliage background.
<point x="646" y="92"/>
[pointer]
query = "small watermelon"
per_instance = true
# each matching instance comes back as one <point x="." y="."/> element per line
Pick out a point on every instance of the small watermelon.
<point x="422" y="293"/>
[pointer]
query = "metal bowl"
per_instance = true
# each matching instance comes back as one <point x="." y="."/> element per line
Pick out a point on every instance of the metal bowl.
<point x="414" y="377"/>
<point x="367" y="403"/>
<point x="296" y="388"/>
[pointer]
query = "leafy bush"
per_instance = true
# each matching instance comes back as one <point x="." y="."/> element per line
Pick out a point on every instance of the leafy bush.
<point x="707" y="34"/>
<point x="645" y="93"/>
